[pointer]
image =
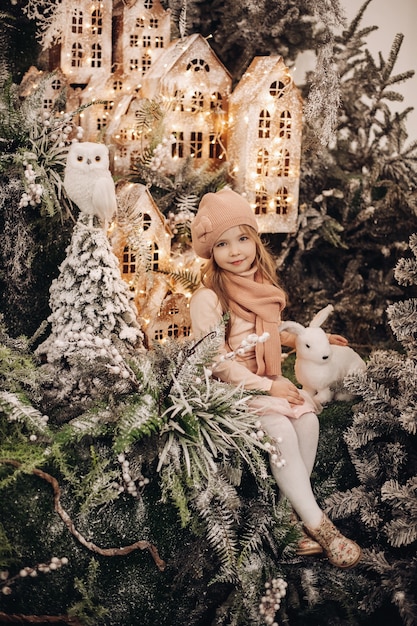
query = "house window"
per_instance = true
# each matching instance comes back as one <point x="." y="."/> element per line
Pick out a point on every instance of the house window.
<point x="101" y="123"/>
<point x="148" y="4"/>
<point x="146" y="221"/>
<point x="47" y="104"/>
<point x="122" y="152"/>
<point x="108" y="105"/>
<point x="77" y="21"/>
<point x="177" y="148"/>
<point x="96" y="22"/>
<point x="153" y="22"/>
<point x="134" y="41"/>
<point x="198" y="65"/>
<point x="197" y="102"/>
<point x="196" y="145"/>
<point x="129" y="261"/>
<point x="158" y="334"/>
<point x="174" y="310"/>
<point x="56" y="84"/>
<point x="140" y="22"/>
<point x="154" y="250"/>
<point x="134" y="64"/>
<point x="264" y="125"/>
<point x="278" y="87"/>
<point x="96" y="55"/>
<point x="123" y="134"/>
<point x="216" y="101"/>
<point x="186" y="331"/>
<point x="285" y="125"/>
<point x="173" y="331"/>
<point x="146" y="62"/>
<point x="281" y="201"/>
<point x="261" y="201"/>
<point x="159" y="42"/>
<point x="117" y="85"/>
<point x="76" y="55"/>
<point x="215" y="147"/>
<point x="262" y="162"/>
<point x="283" y="168"/>
<point x="178" y="101"/>
<point x="134" y="158"/>
<point x="146" y="41"/>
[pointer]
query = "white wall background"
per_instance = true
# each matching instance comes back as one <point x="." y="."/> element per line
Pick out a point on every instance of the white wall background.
<point x="391" y="17"/>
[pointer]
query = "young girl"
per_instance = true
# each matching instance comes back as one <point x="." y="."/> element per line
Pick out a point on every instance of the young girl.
<point x="239" y="278"/>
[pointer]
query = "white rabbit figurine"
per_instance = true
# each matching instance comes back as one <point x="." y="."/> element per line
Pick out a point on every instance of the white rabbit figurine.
<point x="320" y="367"/>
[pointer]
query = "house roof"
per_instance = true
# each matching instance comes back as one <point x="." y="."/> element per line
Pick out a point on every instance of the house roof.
<point x="175" y="51"/>
<point x="257" y="78"/>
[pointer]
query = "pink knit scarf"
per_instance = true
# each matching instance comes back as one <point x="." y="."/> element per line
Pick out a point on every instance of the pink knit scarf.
<point x="260" y="303"/>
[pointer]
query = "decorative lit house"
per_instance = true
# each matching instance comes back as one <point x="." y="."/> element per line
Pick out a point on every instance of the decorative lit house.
<point x="264" y="142"/>
<point x="172" y="321"/>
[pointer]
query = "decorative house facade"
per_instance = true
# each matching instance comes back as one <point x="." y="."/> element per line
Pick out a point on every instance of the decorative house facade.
<point x="264" y="142"/>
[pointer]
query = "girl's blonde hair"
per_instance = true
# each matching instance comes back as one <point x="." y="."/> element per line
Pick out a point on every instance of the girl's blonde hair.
<point x="212" y="274"/>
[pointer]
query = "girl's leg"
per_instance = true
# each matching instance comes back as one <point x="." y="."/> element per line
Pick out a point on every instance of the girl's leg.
<point x="293" y="479"/>
<point x="307" y="429"/>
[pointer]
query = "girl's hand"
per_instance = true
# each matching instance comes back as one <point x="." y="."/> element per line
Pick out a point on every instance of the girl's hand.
<point x="284" y="388"/>
<point x="338" y="340"/>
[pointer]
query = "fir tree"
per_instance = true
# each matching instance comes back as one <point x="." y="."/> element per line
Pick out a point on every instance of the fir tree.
<point x="381" y="443"/>
<point x="94" y="328"/>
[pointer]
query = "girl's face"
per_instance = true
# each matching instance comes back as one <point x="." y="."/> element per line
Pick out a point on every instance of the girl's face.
<point x="234" y="251"/>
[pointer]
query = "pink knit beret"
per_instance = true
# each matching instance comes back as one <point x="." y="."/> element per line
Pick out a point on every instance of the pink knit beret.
<point x="217" y="213"/>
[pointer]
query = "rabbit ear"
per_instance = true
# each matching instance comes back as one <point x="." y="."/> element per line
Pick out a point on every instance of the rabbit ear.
<point x="321" y="316"/>
<point x="292" y="327"/>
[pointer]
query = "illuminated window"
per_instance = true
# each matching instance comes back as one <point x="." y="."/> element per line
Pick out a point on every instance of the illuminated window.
<point x="146" y="41"/>
<point x="196" y="145"/>
<point x="146" y="62"/>
<point x="278" y="88"/>
<point x="154" y="250"/>
<point x="96" y="55"/>
<point x="96" y="22"/>
<point x="261" y="200"/>
<point x="178" y="101"/>
<point x="197" y="102"/>
<point x="198" y="65"/>
<point x="134" y="41"/>
<point x="285" y="125"/>
<point x="76" y="55"/>
<point x="123" y="134"/>
<point x="129" y="261"/>
<point x="177" y="149"/>
<point x="147" y="221"/>
<point x="281" y="201"/>
<point x="216" y="101"/>
<point x="77" y="21"/>
<point x="264" y="125"/>
<point x="215" y="147"/>
<point x="262" y="162"/>
<point x="173" y="331"/>
<point x="159" y="42"/>
<point x="283" y="168"/>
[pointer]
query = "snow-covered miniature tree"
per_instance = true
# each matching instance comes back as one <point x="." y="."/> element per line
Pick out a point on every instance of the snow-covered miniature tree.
<point x="94" y="330"/>
<point x="382" y="444"/>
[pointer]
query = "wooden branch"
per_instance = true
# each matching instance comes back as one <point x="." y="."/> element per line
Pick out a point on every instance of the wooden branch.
<point x="141" y="545"/>
<point x="38" y="619"/>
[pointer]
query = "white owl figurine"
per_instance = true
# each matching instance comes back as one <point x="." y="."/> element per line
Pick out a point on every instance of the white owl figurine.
<point x="88" y="181"/>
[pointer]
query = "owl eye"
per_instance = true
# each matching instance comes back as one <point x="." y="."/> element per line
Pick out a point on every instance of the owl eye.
<point x="98" y="158"/>
<point x="79" y="158"/>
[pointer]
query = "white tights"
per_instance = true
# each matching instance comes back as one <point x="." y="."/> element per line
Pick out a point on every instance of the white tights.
<point x="298" y="448"/>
